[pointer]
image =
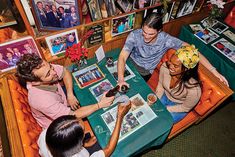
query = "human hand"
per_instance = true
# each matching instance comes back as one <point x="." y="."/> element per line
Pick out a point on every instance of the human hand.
<point x="105" y="101"/>
<point x="72" y="101"/>
<point x="121" y="83"/>
<point x="220" y="77"/>
<point x="123" y="109"/>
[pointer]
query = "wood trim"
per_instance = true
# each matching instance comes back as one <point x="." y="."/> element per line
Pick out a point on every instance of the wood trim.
<point x="10" y="119"/>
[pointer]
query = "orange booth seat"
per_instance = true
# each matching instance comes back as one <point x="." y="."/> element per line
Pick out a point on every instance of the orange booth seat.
<point x="214" y="93"/>
<point x="23" y="130"/>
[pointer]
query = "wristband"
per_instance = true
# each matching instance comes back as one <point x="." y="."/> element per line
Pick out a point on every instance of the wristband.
<point x="98" y="105"/>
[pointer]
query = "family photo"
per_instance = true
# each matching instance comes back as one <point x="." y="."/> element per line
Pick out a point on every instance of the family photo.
<point x="11" y="52"/>
<point x="58" y="43"/>
<point x="55" y="14"/>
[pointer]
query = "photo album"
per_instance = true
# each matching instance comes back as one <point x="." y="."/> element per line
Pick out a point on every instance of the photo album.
<point x="139" y="115"/>
<point x="87" y="76"/>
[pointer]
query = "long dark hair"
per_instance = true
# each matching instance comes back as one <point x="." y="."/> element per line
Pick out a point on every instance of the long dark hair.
<point x="64" y="137"/>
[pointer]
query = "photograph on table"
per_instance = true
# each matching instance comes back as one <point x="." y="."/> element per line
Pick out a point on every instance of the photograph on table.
<point x="206" y="23"/>
<point x="138" y="4"/>
<point x="7" y="17"/>
<point x="185" y="8"/>
<point x="58" y="43"/>
<point x="123" y="24"/>
<point x="196" y="28"/>
<point x="219" y="27"/>
<point x="52" y="15"/>
<point x="128" y="73"/>
<point x="206" y="36"/>
<point x="10" y="52"/>
<point x="94" y="9"/>
<point x="230" y="35"/>
<point x="87" y="76"/>
<point x="125" y="5"/>
<point x="226" y="48"/>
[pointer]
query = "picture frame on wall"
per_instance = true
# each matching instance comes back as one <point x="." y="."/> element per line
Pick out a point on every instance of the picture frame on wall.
<point x="123" y="24"/>
<point x="103" y="9"/>
<point x="94" y="9"/>
<point x="138" y="4"/>
<point x="10" y="52"/>
<point x="58" y="43"/>
<point x="52" y="15"/>
<point x="7" y="17"/>
<point x="185" y="8"/>
<point x="98" y="35"/>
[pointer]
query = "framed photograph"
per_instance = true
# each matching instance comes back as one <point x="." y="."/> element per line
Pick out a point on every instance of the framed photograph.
<point x="111" y="8"/>
<point x="94" y="9"/>
<point x="206" y="36"/>
<point x="87" y="76"/>
<point x="226" y="48"/>
<point x="196" y="28"/>
<point x="6" y="15"/>
<point x="58" y="43"/>
<point x="138" y="4"/>
<point x="186" y="7"/>
<point x="103" y="9"/>
<point x="230" y="35"/>
<point x="166" y="17"/>
<point x="10" y="52"/>
<point x="219" y="27"/>
<point x="52" y="15"/>
<point x="123" y="24"/>
<point x="97" y="37"/>
<point x="174" y="9"/>
<point x="125" y="5"/>
<point x="128" y="73"/>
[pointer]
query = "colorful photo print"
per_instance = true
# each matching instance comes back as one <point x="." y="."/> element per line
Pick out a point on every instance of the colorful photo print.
<point x="206" y="23"/>
<point x="7" y="17"/>
<point x="88" y="76"/>
<point x="55" y="15"/>
<point x="206" y="36"/>
<point x="219" y="27"/>
<point x="123" y="24"/>
<point x="129" y="124"/>
<point x="230" y="35"/>
<point x="58" y="43"/>
<point x="186" y="7"/>
<point x="10" y="52"/>
<point x="196" y="28"/>
<point x="225" y="47"/>
<point x="94" y="10"/>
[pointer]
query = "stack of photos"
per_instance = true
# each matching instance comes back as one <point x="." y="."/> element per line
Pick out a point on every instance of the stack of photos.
<point x="101" y="87"/>
<point x="230" y="35"/>
<point x="206" y="36"/>
<point x="196" y="27"/>
<point x="88" y="76"/>
<point x="139" y="115"/>
<point x="128" y="74"/>
<point x="226" y="48"/>
<point x="55" y="14"/>
<point x="123" y="24"/>
<point x="219" y="27"/>
<point x="58" y="43"/>
<point x="10" y="52"/>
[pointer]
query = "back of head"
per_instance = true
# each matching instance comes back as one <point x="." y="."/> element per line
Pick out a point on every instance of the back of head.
<point x="154" y="21"/>
<point x="64" y="136"/>
<point x="26" y="65"/>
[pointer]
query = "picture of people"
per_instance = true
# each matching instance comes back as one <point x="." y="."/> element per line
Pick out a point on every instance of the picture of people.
<point x="129" y="123"/>
<point x="219" y="27"/>
<point x="6" y="16"/>
<point x="88" y="76"/>
<point x="138" y="4"/>
<point x="58" y="43"/>
<point x="56" y="14"/>
<point x="206" y="36"/>
<point x="125" y="5"/>
<point x="186" y="7"/>
<point x="108" y="118"/>
<point x="136" y="102"/>
<point x="103" y="9"/>
<point x="196" y="27"/>
<point x="225" y="47"/>
<point x="94" y="10"/>
<point x="123" y="24"/>
<point x="11" y="52"/>
<point x="206" y="23"/>
<point x="128" y="74"/>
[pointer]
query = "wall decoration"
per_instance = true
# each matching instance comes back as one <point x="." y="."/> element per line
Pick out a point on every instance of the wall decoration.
<point x="98" y="35"/>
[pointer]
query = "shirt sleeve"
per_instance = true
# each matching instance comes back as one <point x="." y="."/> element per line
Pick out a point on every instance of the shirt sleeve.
<point x="172" y="42"/>
<point x="99" y="153"/>
<point x="60" y="70"/>
<point x="192" y="98"/>
<point x="160" y="89"/>
<point x="43" y="151"/>
<point x="130" y="42"/>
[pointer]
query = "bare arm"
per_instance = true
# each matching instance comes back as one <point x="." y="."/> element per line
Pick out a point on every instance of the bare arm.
<point x="121" y="67"/>
<point x="122" y="110"/>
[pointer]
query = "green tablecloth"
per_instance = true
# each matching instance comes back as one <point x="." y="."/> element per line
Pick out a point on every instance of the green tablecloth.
<point x="153" y="133"/>
<point x="224" y="65"/>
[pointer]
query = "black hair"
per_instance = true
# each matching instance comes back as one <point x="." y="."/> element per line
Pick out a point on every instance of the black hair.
<point x="154" y="20"/>
<point x="64" y="136"/>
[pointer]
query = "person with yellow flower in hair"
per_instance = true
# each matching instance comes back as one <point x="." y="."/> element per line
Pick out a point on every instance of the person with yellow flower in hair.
<point x="179" y="87"/>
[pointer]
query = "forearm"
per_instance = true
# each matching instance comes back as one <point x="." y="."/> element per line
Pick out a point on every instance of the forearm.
<point x="205" y="62"/>
<point x="108" y="150"/>
<point x="121" y="65"/>
<point x="85" y="111"/>
<point x="68" y="82"/>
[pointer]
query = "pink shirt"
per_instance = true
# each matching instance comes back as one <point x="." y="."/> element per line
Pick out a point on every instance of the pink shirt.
<point x="48" y="102"/>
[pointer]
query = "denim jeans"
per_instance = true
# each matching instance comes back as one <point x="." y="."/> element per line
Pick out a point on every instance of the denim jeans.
<point x="177" y="116"/>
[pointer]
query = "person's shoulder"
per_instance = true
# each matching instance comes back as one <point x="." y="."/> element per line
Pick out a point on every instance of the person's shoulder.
<point x="163" y="34"/>
<point x="137" y="32"/>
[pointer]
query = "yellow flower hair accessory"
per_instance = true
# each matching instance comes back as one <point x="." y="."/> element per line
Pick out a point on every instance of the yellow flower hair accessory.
<point x="188" y="56"/>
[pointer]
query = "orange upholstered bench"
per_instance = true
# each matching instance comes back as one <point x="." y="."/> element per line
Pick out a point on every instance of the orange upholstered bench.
<point x="214" y="93"/>
<point x="23" y="130"/>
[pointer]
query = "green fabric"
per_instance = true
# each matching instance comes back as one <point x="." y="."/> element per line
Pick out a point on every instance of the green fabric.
<point x="223" y="65"/>
<point x="152" y="134"/>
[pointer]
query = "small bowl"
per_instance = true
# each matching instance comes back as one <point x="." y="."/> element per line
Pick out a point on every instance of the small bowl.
<point x="151" y="98"/>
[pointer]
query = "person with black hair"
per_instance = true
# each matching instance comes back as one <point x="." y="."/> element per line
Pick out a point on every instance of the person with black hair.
<point x="147" y="45"/>
<point x="179" y="85"/>
<point x="64" y="137"/>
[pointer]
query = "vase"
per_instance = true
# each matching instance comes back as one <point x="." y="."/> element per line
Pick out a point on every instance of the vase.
<point x="78" y="65"/>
